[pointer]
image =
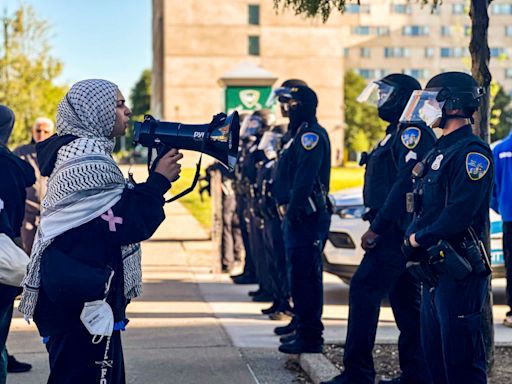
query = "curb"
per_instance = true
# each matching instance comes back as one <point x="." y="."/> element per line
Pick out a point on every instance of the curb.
<point x="317" y="367"/>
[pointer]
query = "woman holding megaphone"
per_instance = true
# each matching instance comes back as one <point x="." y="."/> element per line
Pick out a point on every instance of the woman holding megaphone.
<point x="86" y="260"/>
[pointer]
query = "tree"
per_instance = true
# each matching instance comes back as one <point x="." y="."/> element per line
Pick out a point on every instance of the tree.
<point x="140" y="99"/>
<point x="28" y="71"/>
<point x="501" y="113"/>
<point x="364" y="128"/>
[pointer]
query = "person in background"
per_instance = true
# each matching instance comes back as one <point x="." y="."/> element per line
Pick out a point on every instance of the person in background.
<point x="15" y="175"/>
<point x="43" y="128"/>
<point x="502" y="203"/>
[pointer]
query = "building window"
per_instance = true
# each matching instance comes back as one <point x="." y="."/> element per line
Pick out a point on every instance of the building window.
<point x="417" y="73"/>
<point x="467" y="30"/>
<point x="362" y="30"/>
<point x="365" y="52"/>
<point x="396" y="52"/>
<point x="404" y="9"/>
<point x="415" y="30"/>
<point x="254" y="14"/>
<point x="508" y="73"/>
<point x="446" y="30"/>
<point x="458" y="9"/>
<point x="346" y="52"/>
<point x="429" y="52"/>
<point x="254" y="45"/>
<point x="498" y="52"/>
<point x="382" y="31"/>
<point x="454" y="52"/>
<point x="508" y="31"/>
<point x="501" y="9"/>
<point x="365" y="73"/>
<point x="357" y="8"/>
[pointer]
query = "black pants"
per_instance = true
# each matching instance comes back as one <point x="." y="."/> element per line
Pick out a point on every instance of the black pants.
<point x="241" y="209"/>
<point x="74" y="359"/>
<point x="276" y="259"/>
<point x="382" y="274"/>
<point x="258" y="254"/>
<point x="507" y="253"/>
<point x="231" y="235"/>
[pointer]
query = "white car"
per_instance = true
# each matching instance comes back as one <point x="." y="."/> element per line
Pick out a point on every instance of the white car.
<point x="343" y="251"/>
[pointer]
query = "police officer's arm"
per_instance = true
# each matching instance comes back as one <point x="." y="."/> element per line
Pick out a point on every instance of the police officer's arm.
<point x="495" y="204"/>
<point x="465" y="197"/>
<point x="395" y="205"/>
<point x="308" y="166"/>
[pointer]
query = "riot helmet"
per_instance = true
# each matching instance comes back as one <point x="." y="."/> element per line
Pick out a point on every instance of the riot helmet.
<point x="270" y="144"/>
<point x="443" y="95"/>
<point x="282" y="95"/>
<point x="389" y="95"/>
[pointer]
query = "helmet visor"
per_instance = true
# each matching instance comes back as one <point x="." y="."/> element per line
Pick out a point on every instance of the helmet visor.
<point x="281" y="94"/>
<point x="423" y="107"/>
<point x="376" y="94"/>
<point x="250" y="127"/>
<point x="270" y="144"/>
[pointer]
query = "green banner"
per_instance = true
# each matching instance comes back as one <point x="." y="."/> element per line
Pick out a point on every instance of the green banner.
<point x="246" y="98"/>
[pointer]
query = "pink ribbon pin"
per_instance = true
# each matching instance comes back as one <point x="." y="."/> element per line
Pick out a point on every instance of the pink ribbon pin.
<point x="112" y="220"/>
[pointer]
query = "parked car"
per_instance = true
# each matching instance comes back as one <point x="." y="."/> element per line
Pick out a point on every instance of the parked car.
<point x="343" y="251"/>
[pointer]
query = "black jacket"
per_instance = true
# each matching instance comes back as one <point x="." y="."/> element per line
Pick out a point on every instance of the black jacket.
<point x="98" y="243"/>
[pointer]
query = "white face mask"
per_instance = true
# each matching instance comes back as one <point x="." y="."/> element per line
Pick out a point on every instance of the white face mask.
<point x="431" y="115"/>
<point x="98" y="318"/>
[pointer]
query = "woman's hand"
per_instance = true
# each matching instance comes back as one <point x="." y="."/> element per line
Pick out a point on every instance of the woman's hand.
<point x="168" y="165"/>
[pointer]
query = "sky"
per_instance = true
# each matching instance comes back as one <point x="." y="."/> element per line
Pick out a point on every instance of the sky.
<point x="109" y="39"/>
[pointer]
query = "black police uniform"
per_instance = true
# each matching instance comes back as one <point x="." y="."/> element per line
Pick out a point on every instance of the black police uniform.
<point x="305" y="228"/>
<point x="382" y="272"/>
<point x="455" y="192"/>
<point x="273" y="240"/>
<point x="255" y="224"/>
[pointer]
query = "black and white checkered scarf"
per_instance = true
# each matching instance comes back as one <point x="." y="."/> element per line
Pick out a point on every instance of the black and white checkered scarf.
<point x="85" y="182"/>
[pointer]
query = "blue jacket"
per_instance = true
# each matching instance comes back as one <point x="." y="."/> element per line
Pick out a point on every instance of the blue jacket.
<point x="501" y="200"/>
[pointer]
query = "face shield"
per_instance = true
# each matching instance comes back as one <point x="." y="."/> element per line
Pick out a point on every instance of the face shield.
<point x="270" y="144"/>
<point x="281" y="94"/>
<point x="423" y="106"/>
<point x="376" y="94"/>
<point x="250" y="128"/>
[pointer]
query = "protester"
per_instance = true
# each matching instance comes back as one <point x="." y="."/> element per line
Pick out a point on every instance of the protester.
<point x="15" y="176"/>
<point x="42" y="130"/>
<point x="86" y="262"/>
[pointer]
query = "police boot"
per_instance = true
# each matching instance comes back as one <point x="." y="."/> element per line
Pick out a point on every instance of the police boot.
<point x="288" y="338"/>
<point x="15" y="366"/>
<point x="280" y="315"/>
<point x="244" y="279"/>
<point x="285" y="330"/>
<point x="273" y="308"/>
<point x="263" y="297"/>
<point x="299" y="345"/>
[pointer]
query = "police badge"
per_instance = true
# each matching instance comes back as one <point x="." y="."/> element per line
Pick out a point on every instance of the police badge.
<point x="309" y="140"/>
<point x="477" y="165"/>
<point x="411" y="137"/>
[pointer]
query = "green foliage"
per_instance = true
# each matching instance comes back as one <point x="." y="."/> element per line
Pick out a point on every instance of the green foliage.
<point x="364" y="127"/>
<point x="28" y="71"/>
<point x="501" y="112"/>
<point x="140" y="101"/>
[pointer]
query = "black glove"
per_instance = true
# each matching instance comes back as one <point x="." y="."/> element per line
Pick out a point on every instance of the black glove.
<point x="422" y="272"/>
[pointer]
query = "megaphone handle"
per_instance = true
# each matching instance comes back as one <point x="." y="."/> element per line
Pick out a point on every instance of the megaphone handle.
<point x="194" y="183"/>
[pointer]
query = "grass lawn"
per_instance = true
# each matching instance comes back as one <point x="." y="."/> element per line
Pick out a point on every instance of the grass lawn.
<point x="341" y="178"/>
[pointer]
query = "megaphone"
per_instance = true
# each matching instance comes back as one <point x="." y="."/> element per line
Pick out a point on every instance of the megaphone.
<point x="218" y="139"/>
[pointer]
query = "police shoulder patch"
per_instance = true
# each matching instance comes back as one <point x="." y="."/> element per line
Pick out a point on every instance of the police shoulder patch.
<point x="477" y="165"/>
<point x="309" y="140"/>
<point x="411" y="137"/>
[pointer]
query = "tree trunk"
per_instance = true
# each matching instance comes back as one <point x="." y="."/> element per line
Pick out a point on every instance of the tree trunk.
<point x="480" y="57"/>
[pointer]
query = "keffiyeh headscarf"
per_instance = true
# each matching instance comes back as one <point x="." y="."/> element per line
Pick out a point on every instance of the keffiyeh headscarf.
<point x="84" y="184"/>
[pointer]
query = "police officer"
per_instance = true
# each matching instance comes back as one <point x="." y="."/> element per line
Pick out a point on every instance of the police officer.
<point x="280" y="189"/>
<point x="444" y="242"/>
<point x="307" y="219"/>
<point x="261" y="121"/>
<point x="272" y="234"/>
<point x="382" y="272"/>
